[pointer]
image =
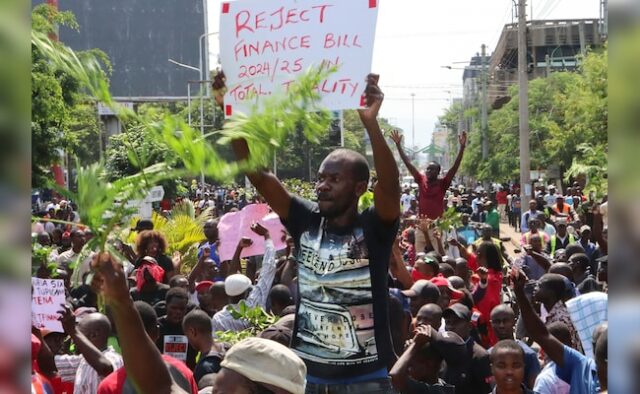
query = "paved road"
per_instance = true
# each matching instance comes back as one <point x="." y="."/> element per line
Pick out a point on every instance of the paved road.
<point x="508" y="231"/>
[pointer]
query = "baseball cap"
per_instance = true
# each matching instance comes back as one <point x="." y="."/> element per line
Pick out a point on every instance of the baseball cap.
<point x="585" y="228"/>
<point x="236" y="284"/>
<point x="561" y="222"/>
<point x="459" y="310"/>
<point x="265" y="361"/>
<point x="204" y="285"/>
<point x="278" y="333"/>
<point x="430" y="261"/>
<point x="423" y="288"/>
<point x="441" y="281"/>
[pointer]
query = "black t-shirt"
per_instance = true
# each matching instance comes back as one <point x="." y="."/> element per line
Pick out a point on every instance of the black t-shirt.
<point x="209" y="363"/>
<point x="342" y="323"/>
<point x="151" y="298"/>
<point x="174" y="334"/>
<point x="473" y="374"/>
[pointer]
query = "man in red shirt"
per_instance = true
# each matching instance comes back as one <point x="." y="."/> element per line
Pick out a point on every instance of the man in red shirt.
<point x="501" y="199"/>
<point x="432" y="188"/>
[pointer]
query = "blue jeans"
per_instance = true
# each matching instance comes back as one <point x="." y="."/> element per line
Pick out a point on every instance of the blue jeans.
<point x="377" y="386"/>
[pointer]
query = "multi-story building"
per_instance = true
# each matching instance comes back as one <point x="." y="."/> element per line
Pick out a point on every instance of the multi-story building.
<point x="552" y="45"/>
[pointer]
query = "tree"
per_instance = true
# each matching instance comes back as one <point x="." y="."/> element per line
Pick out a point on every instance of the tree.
<point x="567" y="112"/>
<point x="63" y="117"/>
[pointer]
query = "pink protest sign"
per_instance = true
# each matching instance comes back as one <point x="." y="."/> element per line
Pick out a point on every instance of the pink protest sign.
<point x="235" y="225"/>
<point x="265" y="44"/>
<point x="46" y="300"/>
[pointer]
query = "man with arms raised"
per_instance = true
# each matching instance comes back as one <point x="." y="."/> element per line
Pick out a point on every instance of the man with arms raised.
<point x="341" y="329"/>
<point x="431" y="188"/>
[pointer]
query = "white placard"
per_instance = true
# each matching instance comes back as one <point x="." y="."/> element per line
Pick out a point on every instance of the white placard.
<point x="265" y="45"/>
<point x="46" y="300"/>
<point x="176" y="346"/>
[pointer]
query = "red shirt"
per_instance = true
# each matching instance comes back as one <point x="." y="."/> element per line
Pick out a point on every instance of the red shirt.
<point x="501" y="197"/>
<point x="114" y="382"/>
<point x="490" y="300"/>
<point x="431" y="203"/>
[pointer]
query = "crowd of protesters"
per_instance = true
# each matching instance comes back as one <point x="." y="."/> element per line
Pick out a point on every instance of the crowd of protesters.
<point x="368" y="297"/>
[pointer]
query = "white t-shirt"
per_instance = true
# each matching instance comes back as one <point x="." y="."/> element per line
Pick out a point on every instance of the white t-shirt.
<point x="550" y="199"/>
<point x="405" y="200"/>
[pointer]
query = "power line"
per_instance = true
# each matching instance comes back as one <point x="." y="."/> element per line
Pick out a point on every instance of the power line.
<point x="505" y="19"/>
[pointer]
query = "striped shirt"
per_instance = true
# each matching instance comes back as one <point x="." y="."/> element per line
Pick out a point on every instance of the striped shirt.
<point x="87" y="379"/>
<point x="223" y="321"/>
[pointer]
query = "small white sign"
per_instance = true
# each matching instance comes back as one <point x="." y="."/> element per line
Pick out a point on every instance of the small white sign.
<point x="266" y="44"/>
<point x="155" y="194"/>
<point x="46" y="300"/>
<point x="176" y="346"/>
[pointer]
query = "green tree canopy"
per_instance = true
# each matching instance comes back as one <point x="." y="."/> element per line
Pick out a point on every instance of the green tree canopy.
<point x="567" y="112"/>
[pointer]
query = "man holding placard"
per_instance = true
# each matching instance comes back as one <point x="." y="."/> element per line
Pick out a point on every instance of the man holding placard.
<point x="341" y="329"/>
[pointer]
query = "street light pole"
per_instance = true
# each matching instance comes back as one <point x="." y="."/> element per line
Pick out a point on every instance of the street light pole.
<point x="523" y="105"/>
<point x="202" y="71"/>
<point x="485" y="138"/>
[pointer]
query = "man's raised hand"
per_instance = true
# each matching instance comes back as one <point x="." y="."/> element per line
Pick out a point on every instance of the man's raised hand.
<point x="260" y="230"/>
<point x="462" y="139"/>
<point x="396" y="137"/>
<point x="373" y="100"/>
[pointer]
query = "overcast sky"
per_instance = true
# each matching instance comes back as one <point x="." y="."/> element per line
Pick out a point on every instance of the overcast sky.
<point x="414" y="38"/>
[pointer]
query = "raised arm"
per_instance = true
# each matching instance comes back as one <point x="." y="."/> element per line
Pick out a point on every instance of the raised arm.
<point x="532" y="322"/>
<point x="260" y="292"/>
<point x="234" y="266"/>
<point x="397" y="139"/>
<point x="265" y="182"/>
<point x="92" y="354"/>
<point x="462" y="139"/>
<point x="387" y="191"/>
<point x="400" y="372"/>
<point x="142" y="359"/>
<point x="397" y="267"/>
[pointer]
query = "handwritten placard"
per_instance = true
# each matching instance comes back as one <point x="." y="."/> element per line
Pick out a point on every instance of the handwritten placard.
<point x="235" y="225"/>
<point x="264" y="45"/>
<point x="48" y="295"/>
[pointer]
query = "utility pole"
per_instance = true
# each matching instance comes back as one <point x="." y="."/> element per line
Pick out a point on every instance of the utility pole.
<point x="523" y="105"/>
<point x="485" y="139"/>
<point x="547" y="62"/>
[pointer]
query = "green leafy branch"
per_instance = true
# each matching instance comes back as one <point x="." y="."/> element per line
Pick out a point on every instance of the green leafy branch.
<point x="101" y="203"/>
<point x="258" y="319"/>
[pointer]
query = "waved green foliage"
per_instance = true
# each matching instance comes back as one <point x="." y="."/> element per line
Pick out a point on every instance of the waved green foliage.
<point x="100" y="199"/>
<point x="258" y="319"/>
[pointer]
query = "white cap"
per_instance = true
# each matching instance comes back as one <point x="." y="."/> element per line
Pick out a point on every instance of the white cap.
<point x="268" y="362"/>
<point x="236" y="284"/>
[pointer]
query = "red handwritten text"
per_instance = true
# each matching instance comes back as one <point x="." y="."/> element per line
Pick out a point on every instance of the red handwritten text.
<point x="278" y="19"/>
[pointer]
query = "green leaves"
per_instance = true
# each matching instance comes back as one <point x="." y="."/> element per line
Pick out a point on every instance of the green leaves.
<point x="449" y="219"/>
<point x="257" y="318"/>
<point x="566" y="109"/>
